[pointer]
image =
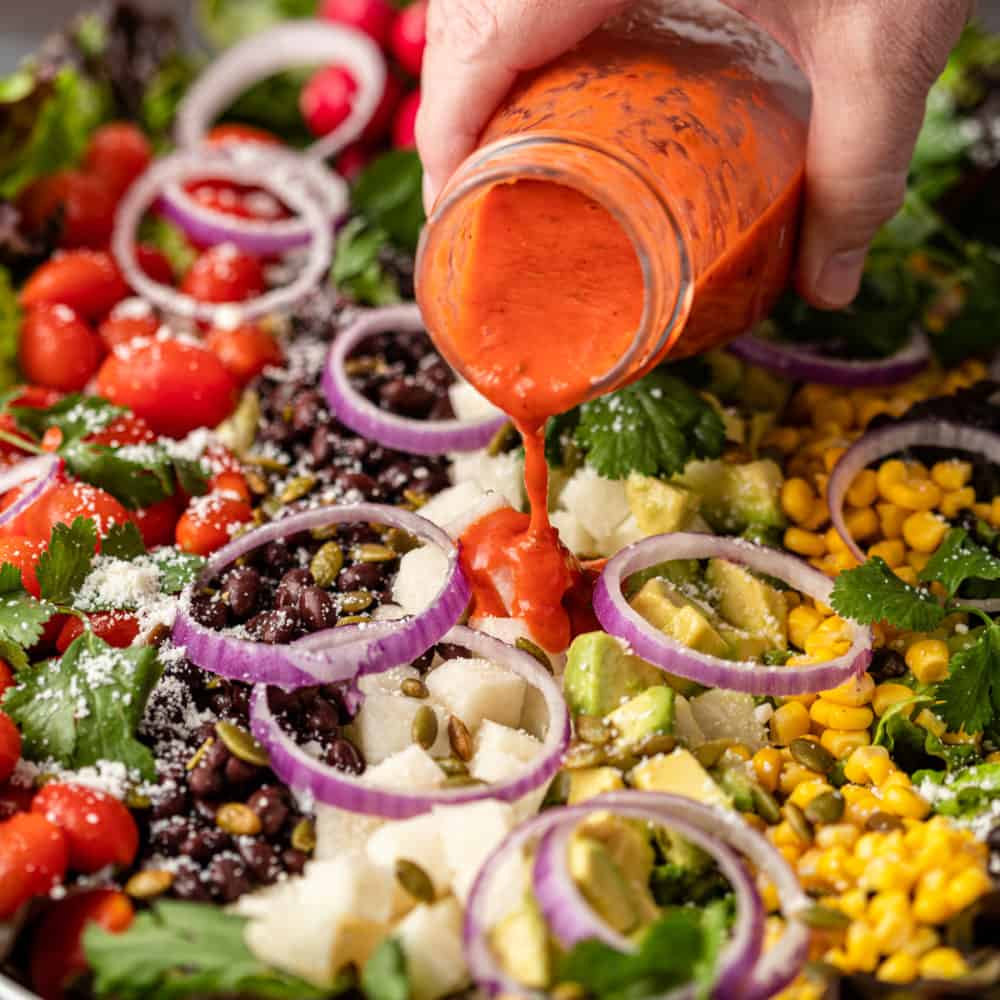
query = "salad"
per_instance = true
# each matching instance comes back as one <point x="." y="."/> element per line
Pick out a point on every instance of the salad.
<point x="268" y="729"/>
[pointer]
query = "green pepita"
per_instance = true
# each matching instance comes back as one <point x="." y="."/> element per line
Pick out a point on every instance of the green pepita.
<point x="326" y="565"/>
<point x="413" y="687"/>
<point x="824" y="918"/>
<point x="149" y="884"/>
<point x="239" y="430"/>
<point x="400" y="541"/>
<point x="373" y="552"/>
<point x="304" y="836"/>
<point x="584" y="755"/>
<point x="354" y="601"/>
<point x="424" y="728"/>
<point x="533" y="649"/>
<point x="296" y="489"/>
<point x="810" y="754"/>
<point x="415" y="498"/>
<point x="796" y="818"/>
<point x="765" y="805"/>
<point x="265" y="462"/>
<point x="352" y="620"/>
<point x="501" y="439"/>
<point x="827" y="807"/>
<point x="459" y="738"/>
<point x="238" y="819"/>
<point x="415" y="881"/>
<point x="883" y="822"/>
<point x="199" y="753"/>
<point x="593" y="730"/>
<point x="324" y="533"/>
<point x="136" y="800"/>
<point x="462" y="781"/>
<point x="240" y="743"/>
<point x="453" y="767"/>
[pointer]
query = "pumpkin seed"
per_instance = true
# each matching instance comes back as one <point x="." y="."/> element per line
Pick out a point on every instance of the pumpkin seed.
<point x="199" y="753"/>
<point x="503" y="436"/>
<point x="370" y="365"/>
<point x="238" y="819"/>
<point x="827" y="807"/>
<point x="424" y="728"/>
<point x="240" y="743"/>
<point x="415" y="498"/>
<point x="149" y="883"/>
<point x="413" y="687"/>
<point x="356" y="600"/>
<point x="797" y="821"/>
<point x="415" y="881"/>
<point x="400" y="541"/>
<point x="765" y="805"/>
<point x="584" y="755"/>
<point x="652" y="745"/>
<point x="373" y="552"/>
<point x="593" y="730"/>
<point x="296" y="489"/>
<point x="462" y="781"/>
<point x="824" y="918"/>
<point x="256" y="482"/>
<point x="352" y="620"/>
<point x="213" y="683"/>
<point x="239" y="430"/>
<point x="709" y="753"/>
<point x="459" y="738"/>
<point x="326" y="565"/>
<point x="304" y="836"/>
<point x="265" y="462"/>
<point x="271" y="507"/>
<point x="883" y="822"/>
<point x="452" y="766"/>
<point x="532" y="649"/>
<point x="136" y="800"/>
<point x="323" y="534"/>
<point x="810" y="754"/>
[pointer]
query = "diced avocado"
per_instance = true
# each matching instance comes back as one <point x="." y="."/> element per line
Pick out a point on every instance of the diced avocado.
<point x="667" y="609"/>
<point x="600" y="674"/>
<point x="646" y="715"/>
<point x="736" y="496"/>
<point x="735" y="781"/>
<point x="682" y="572"/>
<point x="680" y="852"/>
<point x="730" y="715"/>
<point x="680" y="773"/>
<point x="726" y="369"/>
<point x="627" y="841"/>
<point x="604" y="884"/>
<point x="586" y="782"/>
<point x="742" y="645"/>
<point x="747" y="602"/>
<point x="521" y="944"/>
<point x="762" y="390"/>
<point x="658" y="506"/>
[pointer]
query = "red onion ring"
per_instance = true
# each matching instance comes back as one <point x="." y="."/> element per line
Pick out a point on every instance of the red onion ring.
<point x="332" y="655"/>
<point x="797" y="362"/>
<point x="304" y="773"/>
<point x="744" y="973"/>
<point x="291" y="178"/>
<point x="353" y="410"/>
<point x="618" y="618"/>
<point x="43" y="469"/>
<point x="887" y="441"/>
<point x="297" y="43"/>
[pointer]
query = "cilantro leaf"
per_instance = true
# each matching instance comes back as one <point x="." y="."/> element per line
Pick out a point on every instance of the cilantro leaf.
<point x="357" y="269"/>
<point x="970" y="694"/>
<point x="10" y="326"/>
<point x="872" y="593"/>
<point x="559" y="432"/>
<point x="958" y="559"/>
<point x="74" y="415"/>
<point x="911" y="745"/>
<point x="177" y="569"/>
<point x="389" y="195"/>
<point x="64" y="565"/>
<point x="123" y="541"/>
<point x="653" y="427"/>
<point x="87" y="705"/>
<point x="170" y="241"/>
<point x="21" y="617"/>
<point x="966" y="794"/>
<point x="136" y="481"/>
<point x="192" y="476"/>
<point x="384" y="976"/>
<point x="177" y="950"/>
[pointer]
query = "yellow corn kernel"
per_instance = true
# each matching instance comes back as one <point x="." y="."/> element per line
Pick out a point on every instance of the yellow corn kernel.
<point x="885" y="873"/>
<point x="799" y="699"/>
<point x="917" y="470"/>
<point x="982" y="510"/>
<point x="767" y="767"/>
<point x="834" y="543"/>
<point x="896" y="779"/>
<point x="868" y="765"/>
<point x="837" y="562"/>
<point x="924" y="531"/>
<point x="788" y="723"/>
<point x="899" y="969"/>
<point x="784" y="439"/>
<point x="827" y="713"/>
<point x="943" y="963"/>
<point x="890" y="519"/>
<point x="928" y="659"/>
<point x="917" y="560"/>
<point x="837" y="834"/>
<point x="824" y="609"/>
<point x="842" y="742"/>
<point x="791" y="852"/>
<point x="832" y="455"/>
<point x="868" y="845"/>
<point x="929" y="721"/>
<point x="904" y="802"/>
<point x="892" y="551"/>
<point x="951" y="475"/>
<point x="862" y="524"/>
<point x="820" y="648"/>
<point x="907" y="574"/>
<point x="890" y="474"/>
<point x="974" y="370"/>
<point x="888" y="694"/>
<point x="914" y="494"/>
<point x="782" y="835"/>
<point x="794" y="774"/>
<point x="801" y="621"/>
<point x="966" y="887"/>
<point x="995" y="512"/>
<point x="797" y="499"/>
<point x="864" y="490"/>
<point x="856" y="692"/>
<point x="883" y="903"/>
<point x="806" y="791"/>
<point x="861" y="809"/>
<point x="835" y="410"/>
<point x="893" y="930"/>
<point x="869" y="409"/>
<point x="804" y="543"/>
<point x="768" y="894"/>
<point x="957" y="500"/>
<point x="860" y="947"/>
<point x="923" y="939"/>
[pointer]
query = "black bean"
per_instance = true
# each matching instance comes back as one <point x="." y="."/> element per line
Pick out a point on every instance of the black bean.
<point x="887" y="665"/>
<point x="205" y="782"/>
<point x="259" y="857"/>
<point x="294" y="861"/>
<point x="242" y="591"/>
<point x="171" y="801"/>
<point x="406" y="397"/>
<point x="228" y="879"/>
<point x="993" y="838"/>
<point x="188" y="884"/>
<point x="277" y="627"/>
<point x="361" y="576"/>
<point x="215" y="756"/>
<point x="435" y="480"/>
<point x="317" y="609"/>
<point x="442" y="410"/>
<point x="209" y="611"/>
<point x="270" y="803"/>
<point x="396" y="476"/>
<point x="239" y="772"/>
<point x="276" y="556"/>
<point x="351" y="482"/>
<point x="170" y="834"/>
<point x="291" y="586"/>
<point x="449" y="651"/>
<point x="206" y="808"/>
<point x="306" y="411"/>
<point x="205" y="843"/>
<point x="322" y="718"/>
<point x="323" y="445"/>
<point x="345" y="756"/>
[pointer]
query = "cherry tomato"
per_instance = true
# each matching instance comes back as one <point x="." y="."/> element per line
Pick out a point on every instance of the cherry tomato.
<point x="33" y="858"/>
<point x="220" y="459"/>
<point x="118" y="153"/>
<point x="57" y="956"/>
<point x="245" y="201"/>
<point x="231" y="483"/>
<point x="84" y="203"/>
<point x="23" y="553"/>
<point x="404" y="125"/>
<point x="124" y="430"/>
<point x="15" y="798"/>
<point x="224" y="274"/>
<point x="65" y="502"/>
<point x="209" y="521"/>
<point x="116" y="628"/>
<point x="373" y="17"/>
<point x="408" y="37"/>
<point x="382" y="117"/>
<point x="234" y="132"/>
<point x="7" y="680"/>
<point x="10" y="746"/>
<point x="38" y="396"/>
<point x="123" y="328"/>
<point x="245" y="350"/>
<point x="173" y="385"/>
<point x="10" y="454"/>
<point x="352" y="160"/>
<point x="87" y="281"/>
<point x="154" y="264"/>
<point x="158" y="522"/>
<point x="326" y="99"/>
<point x="58" y="349"/>
<point x="99" y="829"/>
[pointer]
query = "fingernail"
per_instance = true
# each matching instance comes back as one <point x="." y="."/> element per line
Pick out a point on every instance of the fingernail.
<point x="428" y="194"/>
<point x="840" y="277"/>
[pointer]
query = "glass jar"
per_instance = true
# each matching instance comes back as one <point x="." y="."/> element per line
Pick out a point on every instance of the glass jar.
<point x="637" y="197"/>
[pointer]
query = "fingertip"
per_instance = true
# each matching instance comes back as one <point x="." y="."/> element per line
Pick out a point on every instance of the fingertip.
<point x="429" y="194"/>
<point x="833" y="281"/>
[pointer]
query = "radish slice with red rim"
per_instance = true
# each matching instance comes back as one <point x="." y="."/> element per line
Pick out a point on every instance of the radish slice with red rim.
<point x="40" y="472"/>
<point x="620" y="619"/>
<point x="353" y="410"/>
<point x="304" y="773"/>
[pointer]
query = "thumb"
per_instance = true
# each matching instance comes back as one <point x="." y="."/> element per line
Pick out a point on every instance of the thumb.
<point x="475" y="49"/>
<point x="870" y="70"/>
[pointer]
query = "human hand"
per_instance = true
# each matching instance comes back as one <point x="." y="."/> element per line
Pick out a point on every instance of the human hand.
<point x="870" y="63"/>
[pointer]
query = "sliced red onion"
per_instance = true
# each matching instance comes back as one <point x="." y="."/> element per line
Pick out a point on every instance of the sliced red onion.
<point x="208" y="227"/>
<point x="797" y="362"/>
<point x="620" y="619"/>
<point x="886" y="441"/>
<point x="289" y="177"/>
<point x="300" y="43"/>
<point x="41" y="471"/>
<point x="305" y="773"/>
<point x="332" y="655"/>
<point x="419" y="437"/>
<point x="743" y="972"/>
